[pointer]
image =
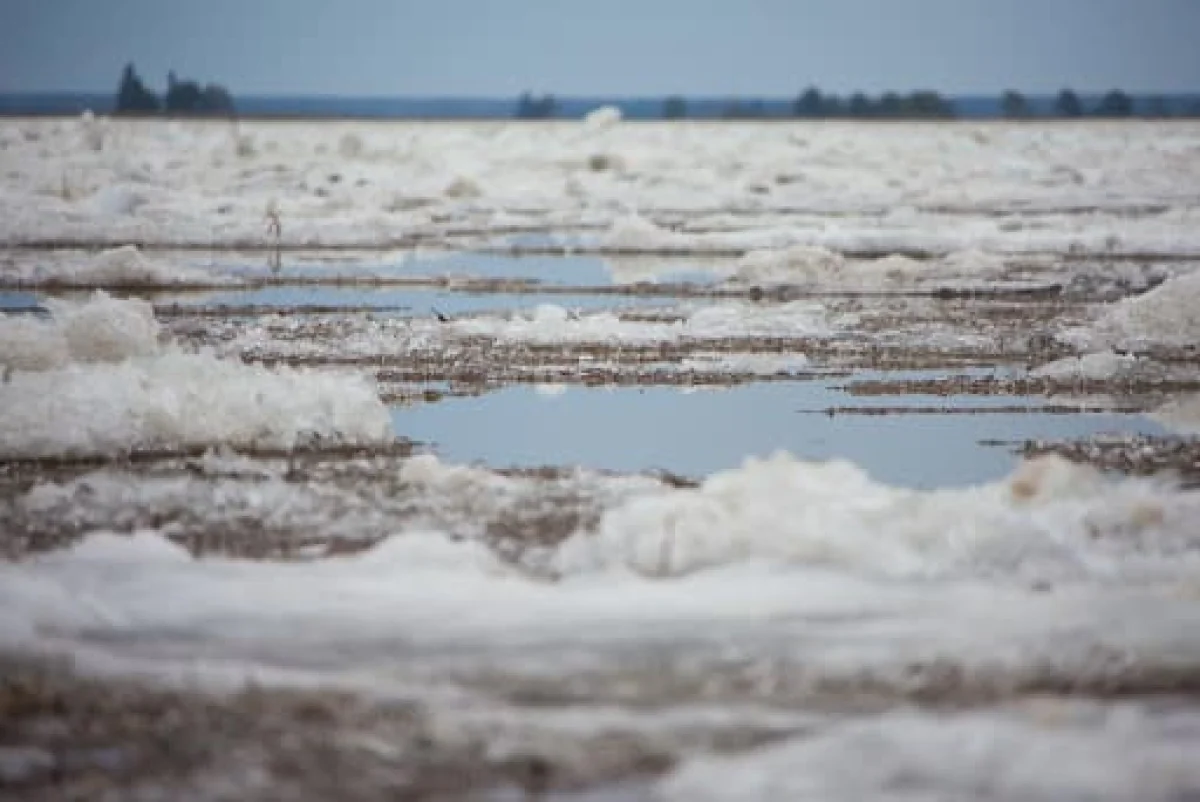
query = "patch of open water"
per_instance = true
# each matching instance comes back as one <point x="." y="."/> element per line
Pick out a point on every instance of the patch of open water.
<point x="697" y="431"/>
<point x="404" y="301"/>
<point x="556" y="270"/>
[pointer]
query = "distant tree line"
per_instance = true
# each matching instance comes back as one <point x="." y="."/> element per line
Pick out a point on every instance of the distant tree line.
<point x="536" y="108"/>
<point x="921" y="104"/>
<point x="1115" y="103"/>
<point x="184" y="97"/>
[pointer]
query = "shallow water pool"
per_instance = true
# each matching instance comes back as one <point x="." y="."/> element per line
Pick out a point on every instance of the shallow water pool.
<point x="407" y="301"/>
<point x="556" y="270"/>
<point x="696" y="432"/>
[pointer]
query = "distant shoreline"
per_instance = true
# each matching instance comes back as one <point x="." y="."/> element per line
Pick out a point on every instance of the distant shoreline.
<point x="871" y="121"/>
<point x="483" y="109"/>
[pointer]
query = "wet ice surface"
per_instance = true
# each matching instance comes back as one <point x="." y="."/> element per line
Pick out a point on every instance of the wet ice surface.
<point x="402" y="303"/>
<point x="697" y="432"/>
<point x="737" y="627"/>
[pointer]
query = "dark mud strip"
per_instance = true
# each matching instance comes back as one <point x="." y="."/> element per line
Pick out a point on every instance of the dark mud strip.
<point x="1130" y="454"/>
<point x="68" y="737"/>
<point x="308" y="507"/>
<point x="401" y="447"/>
<point x="432" y="238"/>
<point x="517" y="286"/>
<point x="610" y="377"/>
<point x="837" y="353"/>
<point x="865" y="252"/>
<point x="1158" y="389"/>
<point x="1009" y="409"/>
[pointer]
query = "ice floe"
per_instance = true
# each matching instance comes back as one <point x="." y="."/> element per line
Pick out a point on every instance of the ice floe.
<point x="1169" y="314"/>
<point x="1180" y="415"/>
<point x="1100" y="365"/>
<point x="102" y="329"/>
<point x="553" y="323"/>
<point x="1049" y="750"/>
<point x="876" y="190"/>
<point x="1049" y="520"/>
<point x="124" y="266"/>
<point x="95" y="379"/>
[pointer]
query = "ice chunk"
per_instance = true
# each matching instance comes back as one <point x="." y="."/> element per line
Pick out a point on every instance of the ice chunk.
<point x="117" y="200"/>
<point x="1050" y="518"/>
<point x="793" y="319"/>
<point x="1168" y="314"/>
<point x="107" y="329"/>
<point x="799" y="264"/>
<point x="636" y="233"/>
<point x="973" y="261"/>
<point x="551" y="323"/>
<point x="1117" y="755"/>
<point x="760" y="364"/>
<point x="462" y="187"/>
<point x="30" y="344"/>
<point x="815" y="264"/>
<point x="1181" y="415"/>
<point x="102" y="329"/>
<point x="423" y="605"/>
<point x="183" y="400"/>
<point x="93" y="131"/>
<point x="116" y="267"/>
<point x="350" y="145"/>
<point x="1100" y="365"/>
<point x="603" y="117"/>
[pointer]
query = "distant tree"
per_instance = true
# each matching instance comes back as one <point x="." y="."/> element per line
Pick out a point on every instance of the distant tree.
<point x="832" y="106"/>
<point x="1115" y="104"/>
<point x="1013" y="105"/>
<point x="737" y="109"/>
<point x="216" y="99"/>
<point x="132" y="95"/>
<point x="536" y="108"/>
<point x="926" y="104"/>
<point x="890" y="105"/>
<point x="809" y="103"/>
<point x="524" y="106"/>
<point x="188" y="97"/>
<point x="674" y="108"/>
<point x="1157" y="106"/>
<point x="860" y="105"/>
<point x="183" y="97"/>
<point x="1068" y="104"/>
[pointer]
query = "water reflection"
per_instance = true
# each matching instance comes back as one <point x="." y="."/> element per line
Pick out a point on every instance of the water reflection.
<point x="700" y="431"/>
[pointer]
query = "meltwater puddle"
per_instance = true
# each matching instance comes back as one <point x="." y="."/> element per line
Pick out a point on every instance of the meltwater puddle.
<point x="403" y="302"/>
<point x="554" y="270"/>
<point x="699" y="431"/>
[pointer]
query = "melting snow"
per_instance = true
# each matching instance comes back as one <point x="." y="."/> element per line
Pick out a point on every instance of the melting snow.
<point x="553" y="323"/>
<point x="1169" y="314"/>
<point x="125" y="266"/>
<point x="1047" y="752"/>
<point x="1051" y="519"/>
<point x="95" y="380"/>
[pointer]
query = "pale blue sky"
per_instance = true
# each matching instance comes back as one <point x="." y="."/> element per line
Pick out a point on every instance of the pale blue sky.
<point x="651" y="47"/>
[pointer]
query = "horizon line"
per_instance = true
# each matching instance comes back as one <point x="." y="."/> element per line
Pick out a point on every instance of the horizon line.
<point x="629" y="96"/>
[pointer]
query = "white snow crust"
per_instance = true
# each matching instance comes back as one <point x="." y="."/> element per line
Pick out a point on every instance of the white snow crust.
<point x="553" y="323"/>
<point x="1045" y="752"/>
<point x="1169" y="314"/>
<point x="901" y="188"/>
<point x="124" y="266"/>
<point x="95" y="379"/>
<point x="778" y="582"/>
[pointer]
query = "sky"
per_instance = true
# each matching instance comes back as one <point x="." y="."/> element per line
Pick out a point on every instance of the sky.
<point x="500" y="48"/>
